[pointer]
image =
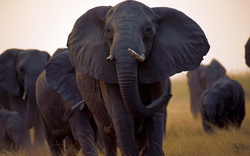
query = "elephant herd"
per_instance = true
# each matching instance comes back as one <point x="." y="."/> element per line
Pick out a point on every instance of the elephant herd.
<point x="218" y="99"/>
<point x="110" y="87"/>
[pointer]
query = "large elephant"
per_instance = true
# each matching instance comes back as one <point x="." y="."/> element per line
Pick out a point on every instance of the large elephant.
<point x="200" y="79"/>
<point x="143" y="46"/>
<point x="19" y="70"/>
<point x="247" y="52"/>
<point x="52" y="106"/>
<point x="222" y="105"/>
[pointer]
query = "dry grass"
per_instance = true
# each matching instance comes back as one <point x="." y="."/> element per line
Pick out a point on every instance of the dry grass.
<point x="185" y="136"/>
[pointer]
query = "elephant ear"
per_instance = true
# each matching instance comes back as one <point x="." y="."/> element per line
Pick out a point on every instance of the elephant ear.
<point x="8" y="77"/>
<point x="179" y="45"/>
<point x="88" y="47"/>
<point x="247" y="53"/>
<point x="221" y="70"/>
<point x="46" y="55"/>
<point x="59" y="51"/>
<point x="60" y="75"/>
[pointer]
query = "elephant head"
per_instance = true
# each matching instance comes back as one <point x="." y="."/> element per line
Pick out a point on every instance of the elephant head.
<point x="211" y="105"/>
<point x="132" y="43"/>
<point x="19" y="70"/>
<point x="247" y="53"/>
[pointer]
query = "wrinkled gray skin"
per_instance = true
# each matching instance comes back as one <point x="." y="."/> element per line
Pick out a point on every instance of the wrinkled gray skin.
<point x="247" y="52"/>
<point x="124" y="92"/>
<point x="203" y="78"/>
<point x="222" y="105"/>
<point x="81" y="129"/>
<point x="19" y="70"/>
<point x="11" y="130"/>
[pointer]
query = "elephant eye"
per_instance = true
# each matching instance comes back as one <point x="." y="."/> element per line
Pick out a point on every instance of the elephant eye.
<point x="149" y="29"/>
<point x="148" y="34"/>
<point x="109" y="35"/>
<point x="108" y="31"/>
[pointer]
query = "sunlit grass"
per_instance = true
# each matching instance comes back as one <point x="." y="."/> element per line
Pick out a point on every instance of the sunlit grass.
<point x="185" y="135"/>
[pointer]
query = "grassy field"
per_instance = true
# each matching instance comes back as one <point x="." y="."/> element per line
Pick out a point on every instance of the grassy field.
<point x="185" y="136"/>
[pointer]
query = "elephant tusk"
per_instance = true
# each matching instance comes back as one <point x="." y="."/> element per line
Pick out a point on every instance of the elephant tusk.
<point x="110" y="58"/>
<point x="80" y="104"/>
<point x="138" y="57"/>
<point x="68" y="114"/>
<point x="24" y="95"/>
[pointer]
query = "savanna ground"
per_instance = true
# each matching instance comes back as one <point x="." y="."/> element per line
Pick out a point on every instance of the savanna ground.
<point x="185" y="136"/>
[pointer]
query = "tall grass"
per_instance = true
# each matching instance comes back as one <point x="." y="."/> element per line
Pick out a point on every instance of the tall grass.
<point x="185" y="135"/>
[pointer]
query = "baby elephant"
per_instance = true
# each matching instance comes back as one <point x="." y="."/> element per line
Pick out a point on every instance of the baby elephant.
<point x="11" y="130"/>
<point x="222" y="105"/>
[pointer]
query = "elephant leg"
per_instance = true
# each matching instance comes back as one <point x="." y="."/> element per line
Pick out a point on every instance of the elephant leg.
<point x="71" y="146"/>
<point x="97" y="138"/>
<point x="155" y="131"/>
<point x="55" y="143"/>
<point x="122" y="119"/>
<point x="83" y="132"/>
<point x="108" y="138"/>
<point x="155" y="126"/>
<point x="26" y="140"/>
<point x="7" y="143"/>
<point x="39" y="136"/>
<point x="90" y="90"/>
<point x="141" y="139"/>
<point x="195" y="96"/>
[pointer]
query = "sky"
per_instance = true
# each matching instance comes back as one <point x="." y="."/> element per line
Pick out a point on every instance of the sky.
<point x="45" y="25"/>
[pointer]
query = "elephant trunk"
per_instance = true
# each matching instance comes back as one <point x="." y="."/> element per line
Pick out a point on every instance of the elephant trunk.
<point x="128" y="81"/>
<point x="18" y="140"/>
<point x="31" y="110"/>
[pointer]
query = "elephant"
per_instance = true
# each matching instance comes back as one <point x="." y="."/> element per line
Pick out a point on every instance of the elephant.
<point x="247" y="52"/>
<point x="200" y="79"/>
<point x="127" y="91"/>
<point x="223" y="105"/>
<point x="79" y="130"/>
<point x="11" y="130"/>
<point x="19" y="70"/>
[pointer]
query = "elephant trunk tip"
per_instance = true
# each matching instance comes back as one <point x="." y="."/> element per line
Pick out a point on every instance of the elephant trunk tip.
<point x="138" y="57"/>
